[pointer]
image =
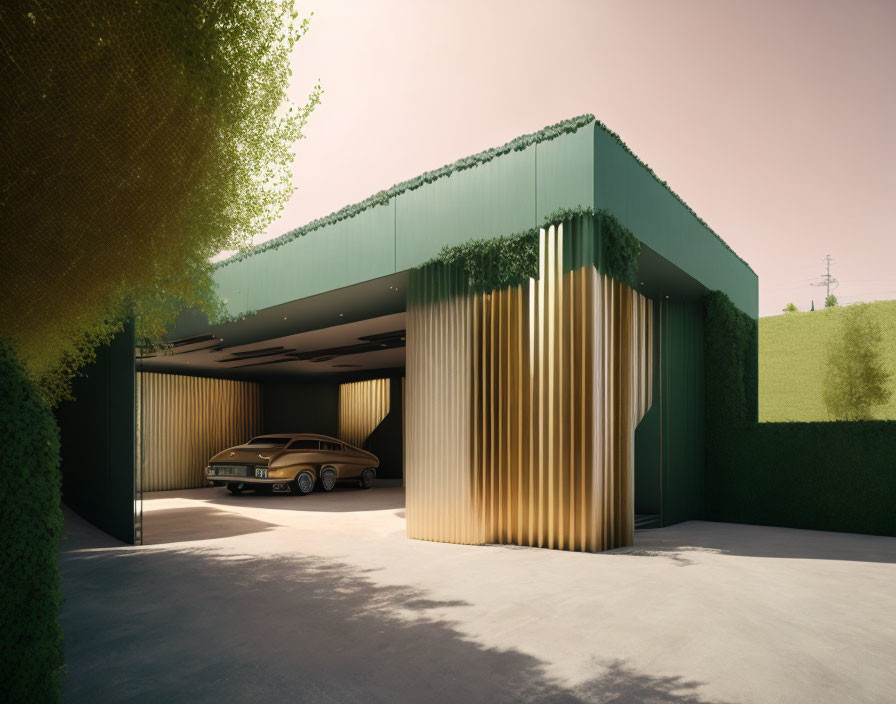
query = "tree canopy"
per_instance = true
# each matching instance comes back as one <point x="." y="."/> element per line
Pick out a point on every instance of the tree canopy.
<point x="139" y="139"/>
<point x="856" y="380"/>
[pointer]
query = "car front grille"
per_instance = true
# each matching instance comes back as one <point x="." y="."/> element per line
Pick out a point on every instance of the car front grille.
<point x="234" y="470"/>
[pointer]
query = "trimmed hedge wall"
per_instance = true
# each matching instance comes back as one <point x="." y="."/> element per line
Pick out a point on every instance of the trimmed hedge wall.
<point x="838" y="476"/>
<point x="30" y="528"/>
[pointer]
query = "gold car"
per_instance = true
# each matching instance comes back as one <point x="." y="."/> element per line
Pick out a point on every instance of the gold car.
<point x="291" y="463"/>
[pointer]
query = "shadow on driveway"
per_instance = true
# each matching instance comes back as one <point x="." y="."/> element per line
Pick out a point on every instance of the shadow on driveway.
<point x="156" y="625"/>
<point x="174" y="525"/>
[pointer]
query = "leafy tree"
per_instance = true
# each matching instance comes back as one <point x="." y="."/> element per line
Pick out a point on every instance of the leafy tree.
<point x="139" y="139"/>
<point x="790" y="308"/>
<point x="830" y="301"/>
<point x="855" y="378"/>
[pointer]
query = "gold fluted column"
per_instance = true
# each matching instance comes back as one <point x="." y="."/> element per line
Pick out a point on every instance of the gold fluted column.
<point x="362" y="406"/>
<point x="535" y="392"/>
<point x="440" y="489"/>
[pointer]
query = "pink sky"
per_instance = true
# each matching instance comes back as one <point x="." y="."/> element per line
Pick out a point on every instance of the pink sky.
<point x="775" y="121"/>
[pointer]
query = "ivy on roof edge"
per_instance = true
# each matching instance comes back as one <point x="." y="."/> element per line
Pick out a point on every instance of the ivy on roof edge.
<point x="383" y="197"/>
<point x="493" y="264"/>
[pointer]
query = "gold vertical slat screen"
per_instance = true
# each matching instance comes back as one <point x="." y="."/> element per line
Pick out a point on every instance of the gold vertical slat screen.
<point x="362" y="407"/>
<point x="545" y="385"/>
<point x="184" y="420"/>
<point x="439" y="493"/>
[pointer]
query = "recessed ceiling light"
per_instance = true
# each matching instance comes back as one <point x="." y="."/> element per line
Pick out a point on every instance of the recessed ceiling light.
<point x="284" y="317"/>
<point x="340" y="315"/>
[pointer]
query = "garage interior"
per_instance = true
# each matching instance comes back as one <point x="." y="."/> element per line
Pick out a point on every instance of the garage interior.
<point x="205" y="393"/>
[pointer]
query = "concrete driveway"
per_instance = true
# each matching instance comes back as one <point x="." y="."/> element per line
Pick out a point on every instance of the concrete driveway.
<point x="323" y="599"/>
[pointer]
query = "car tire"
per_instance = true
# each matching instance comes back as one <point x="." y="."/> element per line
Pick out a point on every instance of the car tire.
<point x="304" y="483"/>
<point x="368" y="476"/>
<point x="235" y="488"/>
<point x="327" y="478"/>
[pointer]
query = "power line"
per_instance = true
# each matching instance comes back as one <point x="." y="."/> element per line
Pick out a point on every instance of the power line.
<point x="869" y="293"/>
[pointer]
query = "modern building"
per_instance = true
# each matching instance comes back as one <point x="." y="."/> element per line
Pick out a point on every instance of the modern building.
<point x="518" y="336"/>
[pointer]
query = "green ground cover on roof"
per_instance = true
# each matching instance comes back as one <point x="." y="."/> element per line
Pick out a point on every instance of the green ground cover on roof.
<point x="792" y="350"/>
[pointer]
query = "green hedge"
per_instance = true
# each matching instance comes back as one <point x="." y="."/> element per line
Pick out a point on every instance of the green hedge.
<point x="824" y="476"/>
<point x="30" y="528"/>
<point x="731" y="363"/>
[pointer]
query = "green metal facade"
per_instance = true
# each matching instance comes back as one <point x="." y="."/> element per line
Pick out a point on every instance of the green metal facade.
<point x="625" y="187"/>
<point x="669" y="456"/>
<point x="511" y="193"/>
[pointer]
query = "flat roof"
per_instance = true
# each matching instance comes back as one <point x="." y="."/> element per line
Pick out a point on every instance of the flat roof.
<point x="353" y="263"/>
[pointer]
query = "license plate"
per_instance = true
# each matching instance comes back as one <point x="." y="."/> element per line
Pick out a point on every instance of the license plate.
<point x="232" y="471"/>
<point x="261" y="473"/>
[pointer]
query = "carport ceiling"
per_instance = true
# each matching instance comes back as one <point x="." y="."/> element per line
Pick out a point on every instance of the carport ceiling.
<point x="375" y="343"/>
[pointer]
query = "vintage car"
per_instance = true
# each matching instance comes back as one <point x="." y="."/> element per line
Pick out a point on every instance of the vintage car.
<point x="291" y="463"/>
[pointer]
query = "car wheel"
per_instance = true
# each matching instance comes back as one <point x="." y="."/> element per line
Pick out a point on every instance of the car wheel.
<point x="367" y="478"/>
<point x="304" y="483"/>
<point x="327" y="478"/>
<point x="235" y="488"/>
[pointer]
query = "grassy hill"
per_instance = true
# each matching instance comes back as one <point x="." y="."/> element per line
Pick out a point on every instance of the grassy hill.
<point x="792" y="349"/>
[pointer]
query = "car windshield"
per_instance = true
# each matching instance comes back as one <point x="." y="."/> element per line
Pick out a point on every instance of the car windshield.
<point x="271" y="442"/>
<point x="305" y="444"/>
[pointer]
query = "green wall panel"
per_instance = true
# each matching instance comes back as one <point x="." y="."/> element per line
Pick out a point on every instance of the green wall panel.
<point x="681" y="388"/>
<point x="628" y="190"/>
<point x="494" y="198"/>
<point x="565" y="173"/>
<point x="347" y="252"/>
<point x="98" y="432"/>
<point x="232" y="287"/>
<point x="669" y="441"/>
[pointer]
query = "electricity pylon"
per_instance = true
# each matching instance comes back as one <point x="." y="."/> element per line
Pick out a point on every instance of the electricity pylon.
<point x="828" y="281"/>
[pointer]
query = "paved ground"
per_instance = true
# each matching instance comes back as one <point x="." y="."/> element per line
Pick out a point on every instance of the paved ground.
<point x="323" y="599"/>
